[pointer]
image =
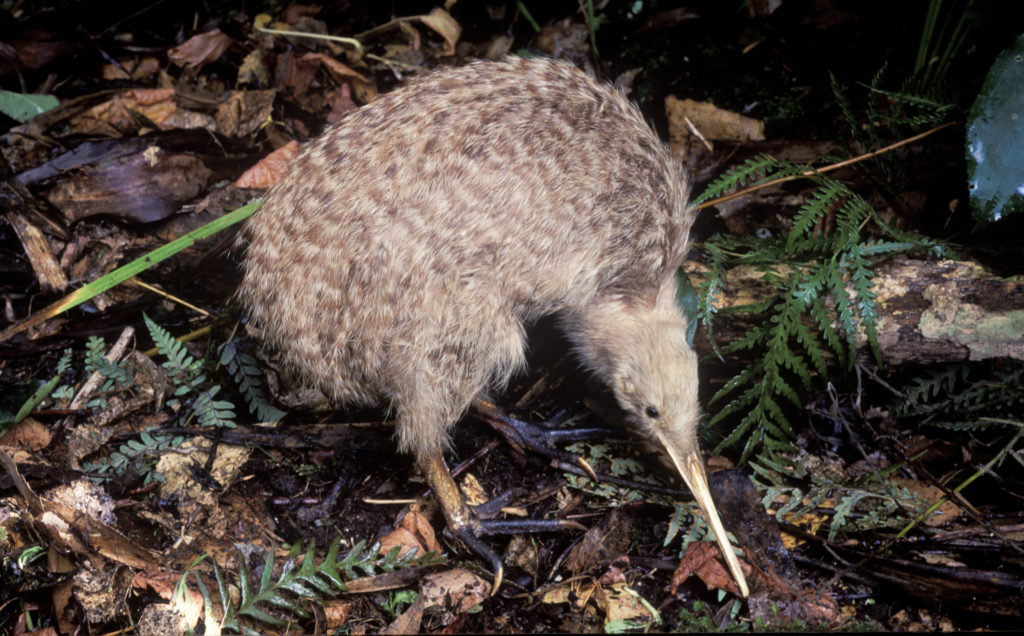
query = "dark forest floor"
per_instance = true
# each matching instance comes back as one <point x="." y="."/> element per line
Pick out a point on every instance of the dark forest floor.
<point x="893" y="502"/>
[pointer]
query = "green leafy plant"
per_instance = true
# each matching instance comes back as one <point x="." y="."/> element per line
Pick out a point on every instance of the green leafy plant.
<point x="965" y="396"/>
<point x="46" y="389"/>
<point x="820" y="296"/>
<point x="248" y="377"/>
<point x="276" y="601"/>
<point x="886" y="114"/>
<point x="943" y="37"/>
<point x="22" y="107"/>
<point x="869" y="502"/>
<point x="398" y="601"/>
<point x="186" y="373"/>
<point x="195" y="395"/>
<point x="118" y="376"/>
<point x="684" y="514"/>
<point x="701" y="618"/>
<point x="141" y="455"/>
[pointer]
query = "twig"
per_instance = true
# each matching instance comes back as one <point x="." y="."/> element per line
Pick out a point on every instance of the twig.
<point x="824" y="169"/>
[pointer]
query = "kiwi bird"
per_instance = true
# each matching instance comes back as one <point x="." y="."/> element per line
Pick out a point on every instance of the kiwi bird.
<point x="403" y="253"/>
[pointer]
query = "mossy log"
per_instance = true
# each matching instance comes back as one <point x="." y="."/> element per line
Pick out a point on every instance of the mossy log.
<point x="929" y="311"/>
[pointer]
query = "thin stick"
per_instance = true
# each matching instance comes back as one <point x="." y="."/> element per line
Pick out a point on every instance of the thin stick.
<point x="828" y="168"/>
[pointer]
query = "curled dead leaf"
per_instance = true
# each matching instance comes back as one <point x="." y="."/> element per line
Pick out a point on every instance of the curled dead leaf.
<point x="443" y="23"/>
<point x="364" y="89"/>
<point x="200" y="50"/>
<point x="414" y="532"/>
<point x="454" y="591"/>
<point x="693" y="123"/>
<point x="115" y="116"/>
<point x="29" y="434"/>
<point x="269" y="169"/>
<point x="704" y="560"/>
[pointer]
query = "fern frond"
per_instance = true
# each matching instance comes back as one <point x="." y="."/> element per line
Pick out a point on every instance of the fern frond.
<point x="210" y="412"/>
<point x="827" y="331"/>
<point x="740" y="379"/>
<point x="754" y="171"/>
<point x="247" y="375"/>
<point x="843" y="100"/>
<point x="867" y="301"/>
<point x="850" y="220"/>
<point x="179" y="363"/>
<point x="296" y="582"/>
<point x="821" y="297"/>
<point x="821" y="202"/>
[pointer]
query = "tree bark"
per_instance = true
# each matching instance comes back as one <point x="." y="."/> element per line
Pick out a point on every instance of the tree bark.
<point x="929" y="311"/>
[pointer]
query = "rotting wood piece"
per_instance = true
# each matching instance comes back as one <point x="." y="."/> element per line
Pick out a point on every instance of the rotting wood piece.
<point x="929" y="311"/>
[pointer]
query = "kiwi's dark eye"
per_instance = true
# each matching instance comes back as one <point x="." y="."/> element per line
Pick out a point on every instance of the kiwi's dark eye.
<point x="652" y="412"/>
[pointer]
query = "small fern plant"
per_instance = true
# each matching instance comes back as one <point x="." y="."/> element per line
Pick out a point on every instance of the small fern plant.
<point x="186" y="373"/>
<point x="857" y="504"/>
<point x="248" y="377"/>
<point x="888" y="115"/>
<point x="821" y="296"/>
<point x="966" y="396"/>
<point x="117" y="376"/>
<point x="140" y="454"/>
<point x="280" y="602"/>
<point x="194" y="397"/>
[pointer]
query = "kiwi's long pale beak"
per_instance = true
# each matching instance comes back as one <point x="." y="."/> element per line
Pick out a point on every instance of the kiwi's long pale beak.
<point x="690" y="465"/>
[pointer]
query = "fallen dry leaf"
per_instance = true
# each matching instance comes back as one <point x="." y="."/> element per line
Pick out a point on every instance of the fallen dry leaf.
<point x="414" y="532"/>
<point x="117" y="115"/>
<point x="604" y="541"/>
<point x="142" y="187"/>
<point x="114" y="72"/>
<point x="85" y="497"/>
<point x="616" y="572"/>
<point x="243" y="112"/>
<point x="299" y="73"/>
<point x="200" y="50"/>
<point x="29" y="434"/>
<point x="703" y="559"/>
<point x="336" y="614"/>
<point x="340" y="101"/>
<point x="441" y="21"/>
<point x="692" y="123"/>
<point x="575" y="592"/>
<point x="146" y="67"/>
<point x="163" y="583"/>
<point x="253" y="70"/>
<point x="565" y="38"/>
<point x="472" y="490"/>
<point x="811" y="608"/>
<point x="945" y="513"/>
<point x="161" y="619"/>
<point x="61" y="598"/>
<point x="365" y="90"/>
<point x="454" y="591"/>
<point x="621" y="603"/>
<point x="179" y="470"/>
<point x="269" y="169"/>
<point x="102" y="591"/>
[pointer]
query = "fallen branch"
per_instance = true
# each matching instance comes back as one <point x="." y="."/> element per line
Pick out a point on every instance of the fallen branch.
<point x="929" y="311"/>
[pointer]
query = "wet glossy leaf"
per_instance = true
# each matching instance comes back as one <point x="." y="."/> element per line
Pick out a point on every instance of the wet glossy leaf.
<point x="995" y="139"/>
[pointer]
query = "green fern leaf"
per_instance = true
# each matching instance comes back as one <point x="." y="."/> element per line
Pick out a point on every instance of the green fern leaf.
<point x="247" y="375"/>
<point x="737" y="177"/>
<point x="820" y="203"/>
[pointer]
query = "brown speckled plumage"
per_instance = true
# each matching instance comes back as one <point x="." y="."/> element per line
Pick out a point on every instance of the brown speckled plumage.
<point x="402" y="254"/>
